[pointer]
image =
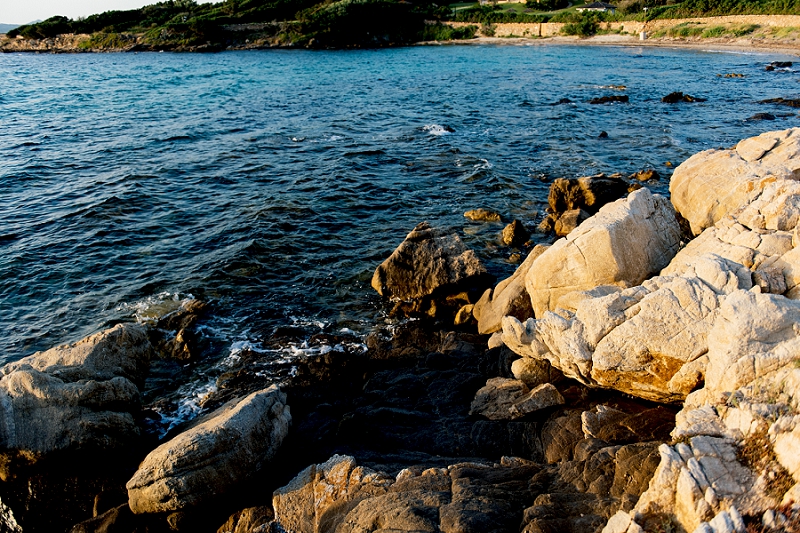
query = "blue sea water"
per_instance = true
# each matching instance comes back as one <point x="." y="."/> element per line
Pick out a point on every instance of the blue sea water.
<point x="272" y="183"/>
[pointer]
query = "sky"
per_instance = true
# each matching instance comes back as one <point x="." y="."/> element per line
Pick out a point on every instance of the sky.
<point x="24" y="11"/>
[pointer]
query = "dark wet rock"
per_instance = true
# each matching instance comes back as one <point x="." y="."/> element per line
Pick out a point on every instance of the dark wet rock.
<point x="674" y="98"/>
<point x="603" y="135"/>
<point x="569" y="220"/>
<point x="645" y="175"/>
<point x="515" y="234"/>
<point x="778" y="64"/>
<point x="174" y="334"/>
<point x="401" y="412"/>
<point x="431" y="273"/>
<point x="482" y="215"/>
<point x="790" y="102"/>
<point x="610" y="99"/>
<point x="562" y="101"/>
<point x="588" y="193"/>
<point x="762" y="116"/>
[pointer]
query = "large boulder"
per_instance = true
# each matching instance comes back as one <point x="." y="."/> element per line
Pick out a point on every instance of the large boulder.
<point x="428" y="268"/>
<point x="218" y="451"/>
<point x="648" y="341"/>
<point x="626" y="242"/>
<point x="509" y="297"/>
<point x="737" y="437"/>
<point x="711" y="184"/>
<point x="340" y="496"/>
<point x="321" y="495"/>
<point x="76" y="397"/>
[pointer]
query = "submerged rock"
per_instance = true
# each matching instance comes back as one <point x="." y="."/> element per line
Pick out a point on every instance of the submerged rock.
<point x="218" y="451"/>
<point x="482" y="215"/>
<point x="645" y="175"/>
<point x="674" y="98"/>
<point x="610" y="99"/>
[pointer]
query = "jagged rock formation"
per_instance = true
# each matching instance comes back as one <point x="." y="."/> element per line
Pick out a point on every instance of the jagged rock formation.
<point x="623" y="244"/>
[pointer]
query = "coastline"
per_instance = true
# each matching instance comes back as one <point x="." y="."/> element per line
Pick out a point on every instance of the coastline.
<point x="710" y="44"/>
<point x="768" y="34"/>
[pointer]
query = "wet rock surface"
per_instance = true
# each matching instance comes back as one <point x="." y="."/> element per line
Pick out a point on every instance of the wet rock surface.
<point x="431" y="273"/>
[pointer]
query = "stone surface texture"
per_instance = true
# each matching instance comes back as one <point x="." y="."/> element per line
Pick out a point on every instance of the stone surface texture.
<point x="711" y="184"/>
<point x="508" y="298"/>
<point x="219" y="450"/>
<point x="427" y="260"/>
<point x="626" y="242"/>
<point x="80" y="396"/>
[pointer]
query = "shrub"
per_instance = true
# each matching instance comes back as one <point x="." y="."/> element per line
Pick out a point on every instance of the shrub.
<point x="584" y="28"/>
<point x="714" y="31"/>
<point x="443" y="32"/>
<point x="488" y="30"/>
<point x="687" y="29"/>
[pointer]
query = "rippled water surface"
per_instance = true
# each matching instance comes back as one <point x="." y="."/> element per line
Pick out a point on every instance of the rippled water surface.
<point x="272" y="183"/>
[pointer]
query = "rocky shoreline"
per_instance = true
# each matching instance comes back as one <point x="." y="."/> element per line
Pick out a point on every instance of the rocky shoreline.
<point x="638" y="374"/>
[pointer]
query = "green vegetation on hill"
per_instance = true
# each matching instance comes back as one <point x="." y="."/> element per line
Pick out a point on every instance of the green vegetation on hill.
<point x="185" y="24"/>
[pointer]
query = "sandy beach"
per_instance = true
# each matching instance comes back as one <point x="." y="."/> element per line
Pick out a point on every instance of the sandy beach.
<point x="714" y="44"/>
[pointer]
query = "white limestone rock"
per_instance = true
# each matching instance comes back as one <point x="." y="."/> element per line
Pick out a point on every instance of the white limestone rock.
<point x="648" y="340"/>
<point x="623" y="244"/>
<point x="508" y="298"/>
<point x="711" y="184"/>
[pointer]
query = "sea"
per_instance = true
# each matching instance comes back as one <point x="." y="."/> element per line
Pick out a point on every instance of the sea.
<point x="270" y="184"/>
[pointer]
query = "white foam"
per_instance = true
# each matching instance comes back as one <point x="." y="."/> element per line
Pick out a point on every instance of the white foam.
<point x="151" y="309"/>
<point x="189" y="406"/>
<point x="436" y="129"/>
